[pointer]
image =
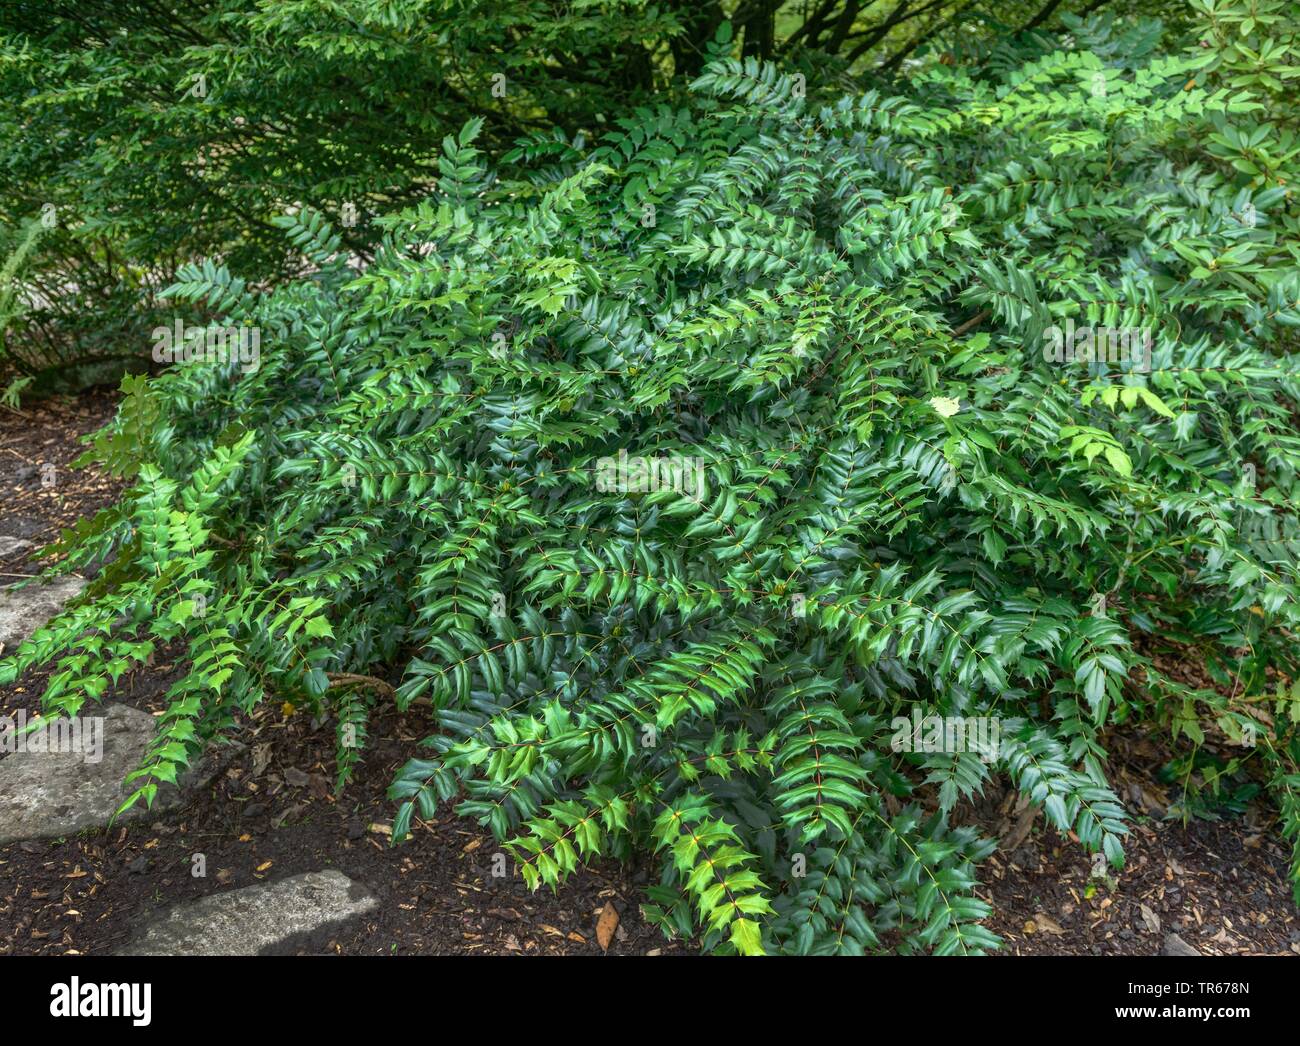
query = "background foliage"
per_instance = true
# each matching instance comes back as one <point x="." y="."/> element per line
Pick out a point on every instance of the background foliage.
<point x="163" y="134"/>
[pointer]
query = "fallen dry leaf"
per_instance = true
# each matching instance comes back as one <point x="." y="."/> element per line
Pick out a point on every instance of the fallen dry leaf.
<point x="606" y="925"/>
<point x="291" y="814"/>
<point x="1047" y="924"/>
<point x="1019" y="832"/>
<point x="261" y="758"/>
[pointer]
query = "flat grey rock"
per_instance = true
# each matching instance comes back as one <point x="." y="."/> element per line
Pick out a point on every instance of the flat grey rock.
<point x="1175" y="945"/>
<point x="255" y="918"/>
<point x="24" y="610"/>
<point x="10" y="546"/>
<point x="45" y="795"/>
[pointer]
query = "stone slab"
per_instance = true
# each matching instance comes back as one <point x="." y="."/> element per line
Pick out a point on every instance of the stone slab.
<point x="46" y="795"/>
<point x="254" y="919"/>
<point x="11" y="546"/>
<point x="24" y="610"/>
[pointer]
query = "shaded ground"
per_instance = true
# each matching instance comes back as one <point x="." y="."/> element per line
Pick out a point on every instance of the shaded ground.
<point x="1221" y="885"/>
<point x="272" y="813"/>
<point x="39" y="493"/>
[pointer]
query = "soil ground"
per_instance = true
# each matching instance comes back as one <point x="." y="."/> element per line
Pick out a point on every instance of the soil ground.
<point x="1220" y="885"/>
<point x="40" y="493"/>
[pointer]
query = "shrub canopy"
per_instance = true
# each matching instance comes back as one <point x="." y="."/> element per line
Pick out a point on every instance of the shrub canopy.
<point x="150" y="135"/>
<point x="818" y="334"/>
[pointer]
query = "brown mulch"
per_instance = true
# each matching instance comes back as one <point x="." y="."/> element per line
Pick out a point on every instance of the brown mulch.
<point x="1219" y="885"/>
<point x="271" y="812"/>
<point x="40" y="493"/>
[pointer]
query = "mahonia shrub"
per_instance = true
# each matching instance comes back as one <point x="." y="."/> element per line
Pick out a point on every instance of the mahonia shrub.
<point x="687" y="482"/>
